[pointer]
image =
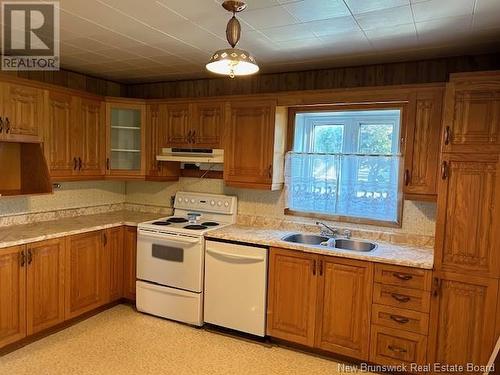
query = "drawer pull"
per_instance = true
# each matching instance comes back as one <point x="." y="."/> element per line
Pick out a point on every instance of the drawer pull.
<point x="397" y="349"/>
<point x="402" y="276"/>
<point x="399" y="319"/>
<point x="400" y="298"/>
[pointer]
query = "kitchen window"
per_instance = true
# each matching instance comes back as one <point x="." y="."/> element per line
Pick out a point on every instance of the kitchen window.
<point x="345" y="165"/>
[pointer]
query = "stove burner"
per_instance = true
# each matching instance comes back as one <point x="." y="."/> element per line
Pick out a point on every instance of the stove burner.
<point x="161" y="223"/>
<point x="210" y="224"/>
<point x="195" y="227"/>
<point x="177" y="220"/>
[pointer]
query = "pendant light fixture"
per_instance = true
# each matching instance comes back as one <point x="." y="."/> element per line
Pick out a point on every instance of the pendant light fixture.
<point x="233" y="61"/>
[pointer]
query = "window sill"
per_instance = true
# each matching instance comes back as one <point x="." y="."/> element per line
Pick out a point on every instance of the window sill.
<point x="345" y="219"/>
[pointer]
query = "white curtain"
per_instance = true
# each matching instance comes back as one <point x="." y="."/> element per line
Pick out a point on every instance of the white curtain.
<point x="354" y="185"/>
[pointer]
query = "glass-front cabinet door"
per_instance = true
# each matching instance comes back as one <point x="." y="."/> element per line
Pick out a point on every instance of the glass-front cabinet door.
<point x="126" y="138"/>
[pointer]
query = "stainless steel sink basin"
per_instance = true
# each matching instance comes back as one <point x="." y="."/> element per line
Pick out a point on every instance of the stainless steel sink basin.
<point x="307" y="239"/>
<point x="355" y="245"/>
<point x="331" y="243"/>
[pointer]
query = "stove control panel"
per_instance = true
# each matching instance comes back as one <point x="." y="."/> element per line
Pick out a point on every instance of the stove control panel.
<point x="224" y="204"/>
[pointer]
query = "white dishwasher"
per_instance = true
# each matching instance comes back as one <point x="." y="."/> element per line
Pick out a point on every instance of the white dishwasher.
<point x="236" y="286"/>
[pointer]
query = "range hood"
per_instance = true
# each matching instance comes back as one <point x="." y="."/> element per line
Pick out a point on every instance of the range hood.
<point x="194" y="156"/>
<point x="23" y="169"/>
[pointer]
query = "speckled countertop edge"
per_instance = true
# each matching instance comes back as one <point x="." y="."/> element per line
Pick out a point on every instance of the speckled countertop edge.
<point x="28" y="233"/>
<point x="421" y="257"/>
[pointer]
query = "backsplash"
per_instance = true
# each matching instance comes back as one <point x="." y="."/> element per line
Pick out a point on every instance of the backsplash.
<point x="418" y="217"/>
<point x="71" y="195"/>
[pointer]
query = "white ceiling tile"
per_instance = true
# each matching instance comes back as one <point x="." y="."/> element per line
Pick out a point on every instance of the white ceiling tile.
<point x="268" y="17"/>
<point x="487" y="6"/>
<point x="434" y="9"/>
<point x="362" y="6"/>
<point x="312" y="10"/>
<point x="385" y="18"/>
<point x="482" y="21"/>
<point x="336" y="25"/>
<point x="289" y="32"/>
<point x="443" y="29"/>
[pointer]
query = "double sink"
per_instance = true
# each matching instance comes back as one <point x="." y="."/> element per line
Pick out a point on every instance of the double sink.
<point x="330" y="243"/>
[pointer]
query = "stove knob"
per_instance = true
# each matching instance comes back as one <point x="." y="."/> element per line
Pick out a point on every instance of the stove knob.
<point x="192" y="201"/>
<point x="186" y="200"/>
<point x="226" y="204"/>
<point x="219" y="203"/>
<point x="179" y="199"/>
<point x="212" y="203"/>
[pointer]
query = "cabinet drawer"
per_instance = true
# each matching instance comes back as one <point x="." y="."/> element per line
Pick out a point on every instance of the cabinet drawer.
<point x="407" y="320"/>
<point x="403" y="276"/>
<point x="412" y="299"/>
<point x="392" y="346"/>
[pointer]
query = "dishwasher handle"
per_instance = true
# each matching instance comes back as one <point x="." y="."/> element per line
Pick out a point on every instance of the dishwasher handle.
<point x="248" y="258"/>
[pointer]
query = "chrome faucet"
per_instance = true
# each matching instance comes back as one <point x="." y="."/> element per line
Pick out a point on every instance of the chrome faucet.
<point x="327" y="231"/>
<point x="347" y="233"/>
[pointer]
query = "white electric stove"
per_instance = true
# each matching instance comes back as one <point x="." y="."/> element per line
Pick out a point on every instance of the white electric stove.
<point x="171" y="253"/>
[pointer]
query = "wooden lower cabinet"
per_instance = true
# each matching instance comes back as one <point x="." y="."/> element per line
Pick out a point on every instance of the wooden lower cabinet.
<point x="292" y="296"/>
<point x="320" y="301"/>
<point x="129" y="262"/>
<point x="45" y="284"/>
<point x="463" y="313"/>
<point x="113" y="245"/>
<point x="85" y="273"/>
<point x="343" y="308"/>
<point x="12" y="295"/>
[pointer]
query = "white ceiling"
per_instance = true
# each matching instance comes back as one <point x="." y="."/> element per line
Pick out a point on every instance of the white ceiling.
<point x="154" y="40"/>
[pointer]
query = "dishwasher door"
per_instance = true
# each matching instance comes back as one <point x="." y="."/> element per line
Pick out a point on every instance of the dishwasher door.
<point x="236" y="286"/>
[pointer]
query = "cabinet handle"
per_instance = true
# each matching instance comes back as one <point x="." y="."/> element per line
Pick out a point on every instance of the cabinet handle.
<point x="436" y="289"/>
<point x="105" y="239"/>
<point x="270" y="171"/>
<point x="79" y="163"/>
<point x="30" y="256"/>
<point x="400" y="298"/>
<point x="22" y="258"/>
<point x="158" y="166"/>
<point x="75" y="164"/>
<point x="189" y="137"/>
<point x="447" y="133"/>
<point x="399" y="319"/>
<point x="193" y="137"/>
<point x="402" y="276"/>
<point x="107" y="164"/>
<point x="321" y="268"/>
<point x="444" y="170"/>
<point x="7" y="122"/>
<point x="314" y="267"/>
<point x="406" y="177"/>
<point x="396" y="349"/>
<point x="1" y="125"/>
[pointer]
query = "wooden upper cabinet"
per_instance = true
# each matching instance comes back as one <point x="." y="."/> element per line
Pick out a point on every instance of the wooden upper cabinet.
<point x="57" y="137"/>
<point x="156" y="139"/>
<point x="130" y="261"/>
<point x="22" y="109"/>
<point x="126" y="138"/>
<point x="468" y="220"/>
<point x="472" y="113"/>
<point x="423" y="138"/>
<point x="91" y="120"/>
<point x="292" y="296"/>
<point x="85" y="273"/>
<point x="255" y="145"/>
<point x="179" y="133"/>
<point x="45" y="284"/>
<point x="13" y="295"/>
<point x="208" y="123"/>
<point x="462" y="323"/>
<point x="344" y="302"/>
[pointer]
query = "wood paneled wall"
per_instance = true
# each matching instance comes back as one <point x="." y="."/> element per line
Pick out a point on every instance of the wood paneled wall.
<point x="424" y="71"/>
<point x="77" y="81"/>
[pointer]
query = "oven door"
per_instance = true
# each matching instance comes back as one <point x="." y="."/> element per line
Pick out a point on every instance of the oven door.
<point x="171" y="260"/>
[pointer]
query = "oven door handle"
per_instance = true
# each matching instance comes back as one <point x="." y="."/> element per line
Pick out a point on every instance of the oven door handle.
<point x="178" y="239"/>
<point x="234" y="256"/>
